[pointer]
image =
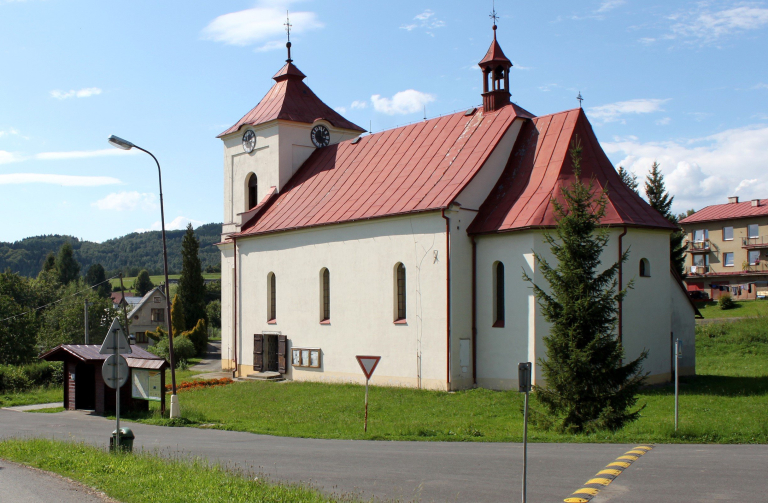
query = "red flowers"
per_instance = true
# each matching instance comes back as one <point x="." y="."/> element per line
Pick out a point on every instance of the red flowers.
<point x="200" y="384"/>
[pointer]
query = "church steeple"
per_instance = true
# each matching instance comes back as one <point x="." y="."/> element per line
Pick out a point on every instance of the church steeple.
<point x="495" y="66"/>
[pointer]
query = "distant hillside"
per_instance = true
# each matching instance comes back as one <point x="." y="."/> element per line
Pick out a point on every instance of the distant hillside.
<point x="129" y="253"/>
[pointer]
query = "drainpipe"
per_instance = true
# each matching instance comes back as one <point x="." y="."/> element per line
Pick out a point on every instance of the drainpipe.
<point x="621" y="269"/>
<point x="474" y="311"/>
<point x="448" y="297"/>
<point x="234" y="310"/>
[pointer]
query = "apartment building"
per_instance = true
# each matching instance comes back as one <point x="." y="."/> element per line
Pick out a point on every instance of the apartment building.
<point x="727" y="249"/>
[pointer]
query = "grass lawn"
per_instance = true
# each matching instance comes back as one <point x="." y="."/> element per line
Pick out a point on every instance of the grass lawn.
<point x="156" y="280"/>
<point x="44" y="394"/>
<point x="145" y="477"/>
<point x="743" y="308"/>
<point x="725" y="403"/>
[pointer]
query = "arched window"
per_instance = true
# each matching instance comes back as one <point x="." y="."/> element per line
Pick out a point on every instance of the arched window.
<point x="325" y="295"/>
<point x="645" y="268"/>
<point x="271" y="297"/>
<point x="498" y="294"/>
<point x="253" y="186"/>
<point x="400" y="292"/>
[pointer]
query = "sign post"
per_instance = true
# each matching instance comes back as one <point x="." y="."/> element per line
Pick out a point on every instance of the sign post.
<point x="368" y="364"/>
<point x="115" y="368"/>
<point x="524" y="386"/>
<point x="678" y="355"/>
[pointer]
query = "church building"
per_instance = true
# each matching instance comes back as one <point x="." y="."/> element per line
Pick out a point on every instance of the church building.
<point x="411" y="243"/>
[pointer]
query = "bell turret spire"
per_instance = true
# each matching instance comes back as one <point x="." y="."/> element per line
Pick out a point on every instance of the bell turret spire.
<point x="288" y="26"/>
<point x="495" y="66"/>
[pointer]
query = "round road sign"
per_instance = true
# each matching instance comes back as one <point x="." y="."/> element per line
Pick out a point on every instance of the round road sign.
<point x="115" y="371"/>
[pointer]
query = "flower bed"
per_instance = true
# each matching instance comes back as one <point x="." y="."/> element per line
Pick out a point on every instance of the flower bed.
<point x="200" y="384"/>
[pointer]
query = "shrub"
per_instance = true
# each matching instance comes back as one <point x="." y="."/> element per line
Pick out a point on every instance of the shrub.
<point x="199" y="337"/>
<point x="726" y="301"/>
<point x="23" y="377"/>
<point x="183" y="349"/>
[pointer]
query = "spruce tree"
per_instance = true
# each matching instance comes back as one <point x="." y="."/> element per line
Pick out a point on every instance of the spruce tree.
<point x="587" y="385"/>
<point x="97" y="276"/>
<point x="191" y="283"/>
<point x="50" y="263"/>
<point x="659" y="198"/>
<point x="177" y="316"/>
<point x="66" y="265"/>
<point x="629" y="179"/>
<point x="143" y="284"/>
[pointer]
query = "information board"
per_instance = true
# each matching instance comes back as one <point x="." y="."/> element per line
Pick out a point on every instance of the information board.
<point x="146" y="385"/>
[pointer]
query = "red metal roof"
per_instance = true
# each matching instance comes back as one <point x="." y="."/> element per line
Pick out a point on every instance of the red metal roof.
<point x="540" y="166"/>
<point x="290" y="99"/>
<point x="414" y="168"/>
<point x="495" y="54"/>
<point x="728" y="212"/>
<point x="138" y="358"/>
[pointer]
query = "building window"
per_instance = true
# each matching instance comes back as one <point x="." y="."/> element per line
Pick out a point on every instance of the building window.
<point x="700" y="235"/>
<point x="271" y="297"/>
<point x="498" y="294"/>
<point x="728" y="259"/>
<point x="325" y="295"/>
<point x="754" y="257"/>
<point x="727" y="233"/>
<point x="400" y="292"/>
<point x="645" y="268"/>
<point x="158" y="315"/>
<point x="253" y="186"/>
<point x="141" y="337"/>
<point x="753" y="231"/>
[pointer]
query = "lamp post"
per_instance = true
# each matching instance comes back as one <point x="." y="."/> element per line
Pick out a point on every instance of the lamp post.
<point x="126" y="145"/>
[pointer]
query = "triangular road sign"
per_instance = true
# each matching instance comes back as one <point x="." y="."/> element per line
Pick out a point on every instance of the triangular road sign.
<point x="368" y="364"/>
<point x="115" y="338"/>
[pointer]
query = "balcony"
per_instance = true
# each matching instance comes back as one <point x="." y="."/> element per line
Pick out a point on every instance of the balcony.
<point x="758" y="267"/>
<point x="754" y="243"/>
<point x="699" y="246"/>
<point x="699" y="269"/>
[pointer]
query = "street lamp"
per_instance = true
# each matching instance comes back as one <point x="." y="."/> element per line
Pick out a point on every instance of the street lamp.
<point x="126" y="145"/>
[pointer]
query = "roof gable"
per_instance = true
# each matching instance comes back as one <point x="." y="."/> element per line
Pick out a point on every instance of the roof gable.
<point x="146" y="298"/>
<point x="728" y="211"/>
<point x="539" y="168"/>
<point x="420" y="167"/>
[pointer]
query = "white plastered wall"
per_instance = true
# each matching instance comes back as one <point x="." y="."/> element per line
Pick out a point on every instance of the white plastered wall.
<point x="683" y="326"/>
<point x="361" y="258"/>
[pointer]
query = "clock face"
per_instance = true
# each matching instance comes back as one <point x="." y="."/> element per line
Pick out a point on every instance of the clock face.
<point x="249" y="141"/>
<point x="320" y="135"/>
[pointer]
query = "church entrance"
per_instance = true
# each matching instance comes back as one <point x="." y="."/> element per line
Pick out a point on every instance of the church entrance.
<point x="270" y="341"/>
<point x="269" y="353"/>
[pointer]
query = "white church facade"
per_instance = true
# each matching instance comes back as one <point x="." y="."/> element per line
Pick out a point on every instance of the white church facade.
<point x="410" y="244"/>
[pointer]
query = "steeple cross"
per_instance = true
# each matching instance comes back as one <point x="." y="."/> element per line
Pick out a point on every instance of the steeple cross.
<point x="493" y="15"/>
<point x="580" y="99"/>
<point x="288" y="25"/>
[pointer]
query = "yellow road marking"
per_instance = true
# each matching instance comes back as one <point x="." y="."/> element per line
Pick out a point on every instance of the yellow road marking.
<point x="619" y="463"/>
<point x="635" y="451"/>
<point x="575" y="500"/>
<point x="615" y="473"/>
<point x="644" y="447"/>
<point x="630" y="456"/>
<point x="602" y="482"/>
<point x="587" y="490"/>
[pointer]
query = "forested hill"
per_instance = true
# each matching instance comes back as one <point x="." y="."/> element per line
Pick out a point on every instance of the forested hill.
<point x="129" y="253"/>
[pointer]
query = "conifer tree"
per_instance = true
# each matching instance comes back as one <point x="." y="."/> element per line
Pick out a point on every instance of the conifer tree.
<point x="659" y="198"/>
<point x="629" y="179"/>
<point x="66" y="265"/>
<point x="97" y="276"/>
<point x="177" y="316"/>
<point x="50" y="263"/>
<point x="143" y="284"/>
<point x="191" y="283"/>
<point x="587" y="385"/>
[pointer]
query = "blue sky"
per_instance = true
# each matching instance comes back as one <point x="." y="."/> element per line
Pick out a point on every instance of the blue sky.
<point x="685" y="83"/>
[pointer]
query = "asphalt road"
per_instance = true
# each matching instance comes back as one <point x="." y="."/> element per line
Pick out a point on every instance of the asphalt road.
<point x="19" y="484"/>
<point x="440" y="471"/>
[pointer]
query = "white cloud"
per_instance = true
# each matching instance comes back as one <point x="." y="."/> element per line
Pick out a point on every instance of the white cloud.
<point x="426" y="20"/>
<point x="760" y="86"/>
<point x="9" y="157"/>
<point x="11" y="132"/>
<point x="404" y="102"/>
<point x="178" y="223"/>
<point x="703" y="26"/>
<point x="127" y="201"/>
<point x="64" y="180"/>
<point x="82" y="154"/>
<point x="341" y="110"/>
<point x="703" y="171"/>
<point x="610" y="5"/>
<point x="359" y="105"/>
<point x="259" y="25"/>
<point x="664" y="121"/>
<point x="86" y="92"/>
<point x="613" y="111"/>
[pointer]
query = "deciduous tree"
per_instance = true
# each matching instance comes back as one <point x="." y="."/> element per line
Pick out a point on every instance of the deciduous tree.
<point x="96" y="276"/>
<point x="143" y="284"/>
<point x="66" y="265"/>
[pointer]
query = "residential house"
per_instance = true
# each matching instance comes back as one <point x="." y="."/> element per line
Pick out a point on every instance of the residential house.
<point x="148" y="314"/>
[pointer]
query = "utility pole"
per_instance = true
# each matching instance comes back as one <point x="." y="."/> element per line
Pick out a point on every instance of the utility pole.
<point x="124" y="302"/>
<point x="87" y="338"/>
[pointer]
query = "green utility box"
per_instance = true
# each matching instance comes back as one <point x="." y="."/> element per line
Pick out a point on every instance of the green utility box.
<point x="126" y="440"/>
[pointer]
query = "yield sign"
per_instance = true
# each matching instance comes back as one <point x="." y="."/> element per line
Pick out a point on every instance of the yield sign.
<point x="115" y="340"/>
<point x="368" y="364"/>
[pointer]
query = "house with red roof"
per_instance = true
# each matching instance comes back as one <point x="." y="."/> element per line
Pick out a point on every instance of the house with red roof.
<point x="727" y="248"/>
<point x="410" y="243"/>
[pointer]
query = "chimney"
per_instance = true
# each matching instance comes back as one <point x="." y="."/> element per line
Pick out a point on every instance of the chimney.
<point x="755" y="202"/>
<point x="733" y="199"/>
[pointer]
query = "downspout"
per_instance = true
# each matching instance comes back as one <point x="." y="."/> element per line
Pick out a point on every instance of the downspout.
<point x="621" y="269"/>
<point x="448" y="297"/>
<point x="474" y="311"/>
<point x="234" y="309"/>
